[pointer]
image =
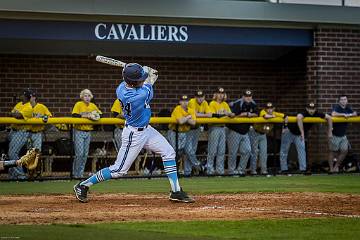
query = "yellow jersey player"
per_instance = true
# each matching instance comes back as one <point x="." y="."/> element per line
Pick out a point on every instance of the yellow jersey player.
<point x="217" y="135"/>
<point x="261" y="130"/>
<point x="186" y="119"/>
<point x="202" y="110"/>
<point x="82" y="132"/>
<point x="36" y="110"/>
<point x="19" y="134"/>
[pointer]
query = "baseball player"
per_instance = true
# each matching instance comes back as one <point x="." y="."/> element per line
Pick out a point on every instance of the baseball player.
<point x="29" y="160"/>
<point x="36" y="110"/>
<point x="339" y="144"/>
<point x="19" y="134"/>
<point x="216" y="142"/>
<point x="202" y="110"/>
<point x="296" y="133"/>
<point x="82" y="132"/>
<point x="260" y="131"/>
<point x="135" y="94"/>
<point x="117" y="113"/>
<point x="185" y="118"/>
<point x="238" y="135"/>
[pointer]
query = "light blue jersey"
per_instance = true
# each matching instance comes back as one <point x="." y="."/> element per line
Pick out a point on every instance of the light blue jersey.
<point x="135" y="103"/>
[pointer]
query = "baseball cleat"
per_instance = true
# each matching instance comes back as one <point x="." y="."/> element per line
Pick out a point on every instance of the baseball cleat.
<point x="81" y="192"/>
<point x="180" y="196"/>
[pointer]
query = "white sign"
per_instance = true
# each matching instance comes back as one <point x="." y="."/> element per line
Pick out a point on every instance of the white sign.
<point x="169" y="33"/>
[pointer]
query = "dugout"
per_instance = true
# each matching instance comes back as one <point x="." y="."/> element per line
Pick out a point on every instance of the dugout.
<point x="286" y="53"/>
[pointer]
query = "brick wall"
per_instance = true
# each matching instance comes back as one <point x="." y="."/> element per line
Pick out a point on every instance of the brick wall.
<point x="59" y="80"/>
<point x="333" y="67"/>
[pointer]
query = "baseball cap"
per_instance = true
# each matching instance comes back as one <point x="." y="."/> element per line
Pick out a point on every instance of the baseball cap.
<point x="221" y="90"/>
<point x="184" y="98"/>
<point x="269" y="105"/>
<point x="29" y="93"/>
<point x="199" y="93"/>
<point x="134" y="72"/>
<point x="247" y="93"/>
<point x="311" y="105"/>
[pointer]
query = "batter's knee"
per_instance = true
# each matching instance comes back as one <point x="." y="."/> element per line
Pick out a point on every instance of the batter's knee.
<point x="168" y="152"/>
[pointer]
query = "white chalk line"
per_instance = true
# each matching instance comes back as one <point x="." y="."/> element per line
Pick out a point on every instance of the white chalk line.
<point x="286" y="211"/>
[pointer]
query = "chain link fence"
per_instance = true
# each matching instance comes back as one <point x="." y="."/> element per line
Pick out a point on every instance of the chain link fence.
<point x="203" y="151"/>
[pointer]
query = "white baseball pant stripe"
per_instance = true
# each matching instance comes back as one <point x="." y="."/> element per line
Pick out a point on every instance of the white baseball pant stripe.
<point x="132" y="143"/>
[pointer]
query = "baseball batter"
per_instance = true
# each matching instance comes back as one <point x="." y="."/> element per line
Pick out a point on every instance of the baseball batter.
<point x="135" y="94"/>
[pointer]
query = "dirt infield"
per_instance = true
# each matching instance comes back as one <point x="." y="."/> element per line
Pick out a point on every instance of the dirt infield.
<point x="44" y="209"/>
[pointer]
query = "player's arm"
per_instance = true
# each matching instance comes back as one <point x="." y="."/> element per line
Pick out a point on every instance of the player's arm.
<point x="266" y="115"/>
<point x="152" y="75"/>
<point x="180" y="119"/>
<point x="335" y="113"/>
<point x="254" y="113"/>
<point x="192" y="120"/>
<point x="183" y="120"/>
<point x="228" y="111"/>
<point x="300" y="123"/>
<point x="16" y="114"/>
<point x="330" y="124"/>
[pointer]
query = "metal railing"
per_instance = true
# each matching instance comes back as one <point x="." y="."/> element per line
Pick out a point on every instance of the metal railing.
<point x="234" y="154"/>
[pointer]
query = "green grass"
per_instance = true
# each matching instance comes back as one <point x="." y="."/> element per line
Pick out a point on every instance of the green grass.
<point x="213" y="185"/>
<point x="322" y="228"/>
<point x="335" y="228"/>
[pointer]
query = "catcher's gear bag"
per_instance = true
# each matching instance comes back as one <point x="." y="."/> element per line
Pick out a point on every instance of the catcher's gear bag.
<point x="30" y="159"/>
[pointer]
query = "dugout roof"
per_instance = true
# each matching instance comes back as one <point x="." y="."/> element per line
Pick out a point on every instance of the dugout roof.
<point x="214" y="28"/>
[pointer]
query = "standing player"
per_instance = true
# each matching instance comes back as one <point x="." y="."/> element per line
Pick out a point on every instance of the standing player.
<point x="238" y="137"/>
<point x="19" y="134"/>
<point x="117" y="113"/>
<point x="82" y="132"/>
<point x="202" y="110"/>
<point x="217" y="133"/>
<point x="260" y="132"/>
<point x="185" y="118"/>
<point x="135" y="95"/>
<point x="36" y="110"/>
<point x="339" y="144"/>
<point x="296" y="133"/>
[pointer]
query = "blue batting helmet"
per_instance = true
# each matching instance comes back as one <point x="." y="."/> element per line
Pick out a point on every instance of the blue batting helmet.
<point x="134" y="72"/>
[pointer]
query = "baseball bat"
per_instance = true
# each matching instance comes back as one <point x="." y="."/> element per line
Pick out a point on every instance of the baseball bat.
<point x="110" y="61"/>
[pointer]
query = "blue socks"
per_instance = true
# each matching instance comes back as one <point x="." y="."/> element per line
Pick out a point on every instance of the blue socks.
<point x="102" y="175"/>
<point x="171" y="172"/>
<point x="169" y="166"/>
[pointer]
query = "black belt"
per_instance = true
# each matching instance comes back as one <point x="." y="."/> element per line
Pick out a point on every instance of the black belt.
<point x="139" y="129"/>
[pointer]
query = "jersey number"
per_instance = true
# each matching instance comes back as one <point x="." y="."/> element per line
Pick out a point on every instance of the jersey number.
<point x="127" y="109"/>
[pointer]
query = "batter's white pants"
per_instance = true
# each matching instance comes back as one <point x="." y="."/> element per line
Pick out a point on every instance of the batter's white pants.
<point x="133" y="141"/>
